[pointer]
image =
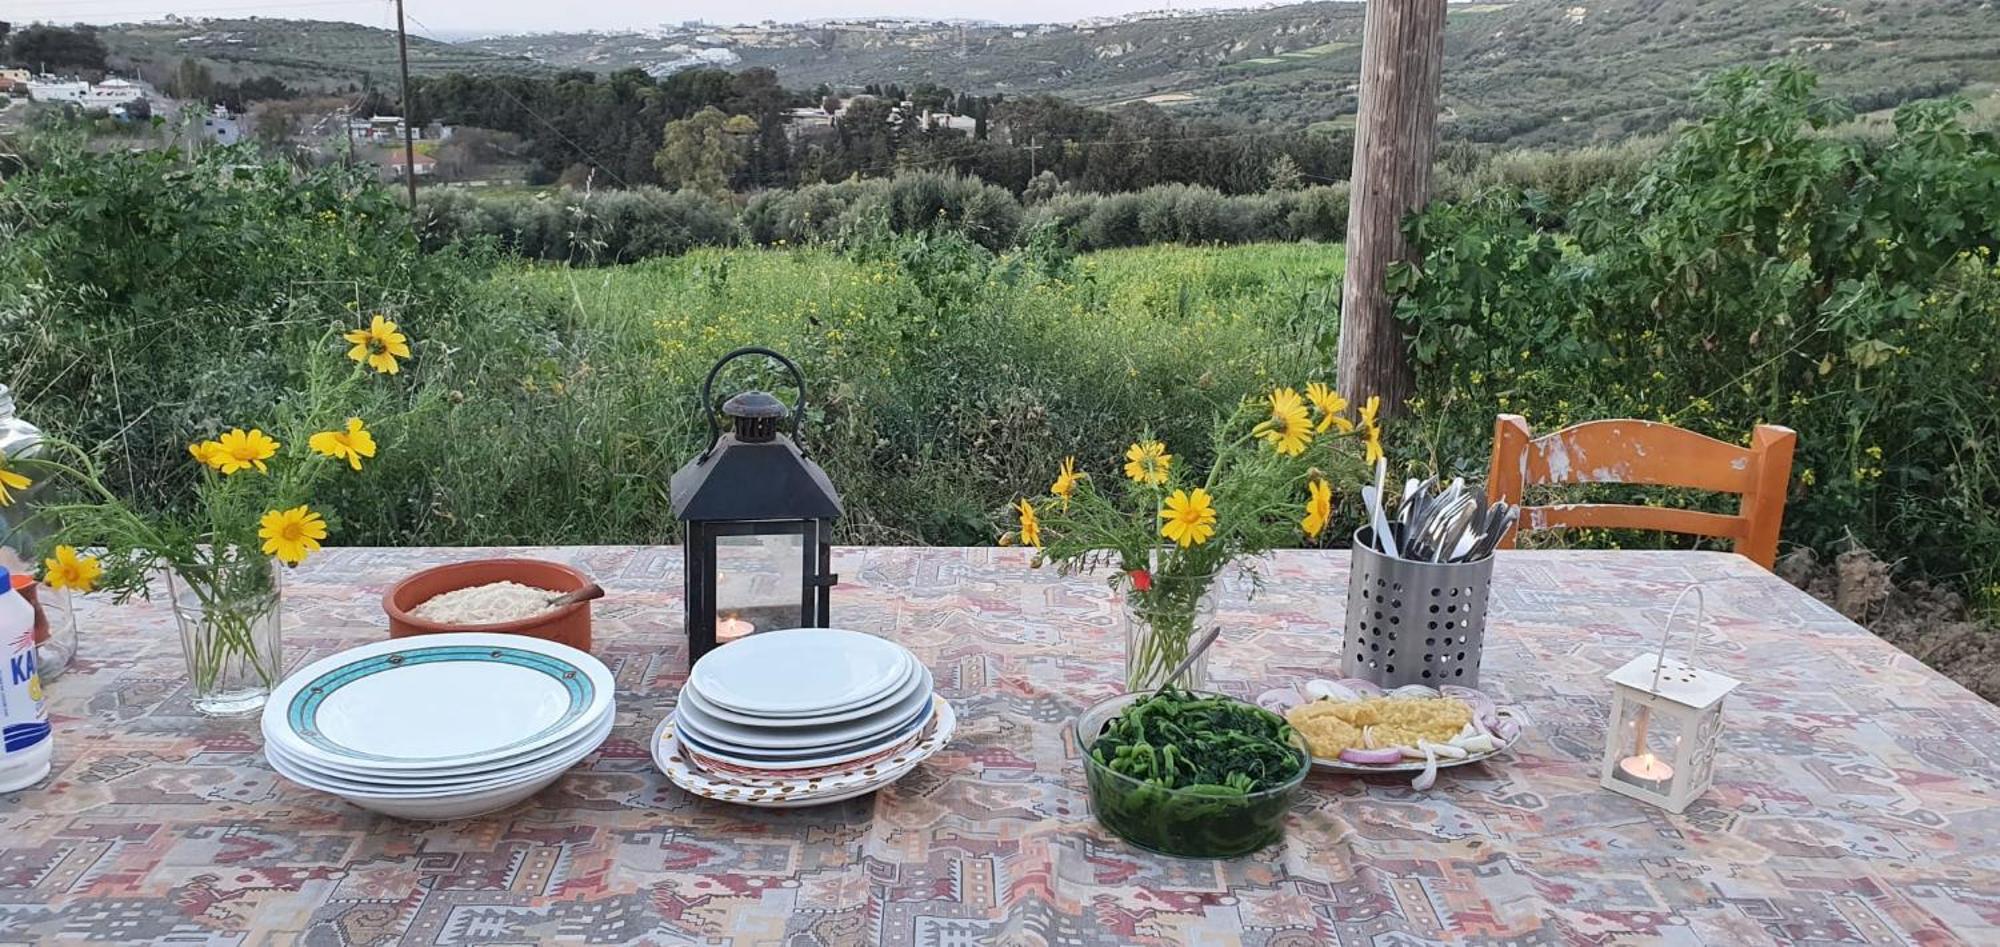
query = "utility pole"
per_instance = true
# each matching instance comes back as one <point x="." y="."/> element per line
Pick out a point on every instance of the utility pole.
<point x="409" y="131"/>
<point x="1395" y="138"/>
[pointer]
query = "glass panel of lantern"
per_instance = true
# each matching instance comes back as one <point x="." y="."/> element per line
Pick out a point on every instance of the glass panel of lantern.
<point x="758" y="518"/>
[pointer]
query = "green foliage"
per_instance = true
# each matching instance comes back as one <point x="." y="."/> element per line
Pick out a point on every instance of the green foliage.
<point x="579" y="228"/>
<point x="702" y="152"/>
<point x="56" y="49"/>
<point x="1755" y="271"/>
<point x="147" y="301"/>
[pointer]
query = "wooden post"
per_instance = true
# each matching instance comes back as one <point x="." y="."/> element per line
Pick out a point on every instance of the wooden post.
<point x="1395" y="137"/>
<point x="409" y="118"/>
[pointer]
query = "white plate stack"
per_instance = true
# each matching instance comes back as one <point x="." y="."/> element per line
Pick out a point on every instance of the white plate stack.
<point x="439" y="726"/>
<point x="802" y="717"/>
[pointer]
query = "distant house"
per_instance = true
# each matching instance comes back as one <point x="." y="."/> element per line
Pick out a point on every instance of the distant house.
<point x="392" y="167"/>
<point x="106" y="95"/>
<point x="378" y="128"/>
<point x="112" y="93"/>
<point x="52" y="89"/>
<point x="14" y="80"/>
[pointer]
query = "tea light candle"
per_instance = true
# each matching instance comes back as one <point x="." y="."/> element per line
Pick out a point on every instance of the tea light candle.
<point x="732" y="628"/>
<point x="1647" y="770"/>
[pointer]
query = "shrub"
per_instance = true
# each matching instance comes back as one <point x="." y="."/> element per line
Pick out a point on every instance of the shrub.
<point x="1756" y="270"/>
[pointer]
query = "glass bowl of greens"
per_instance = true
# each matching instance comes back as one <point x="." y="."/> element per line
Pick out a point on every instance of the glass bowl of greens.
<point x="1192" y="774"/>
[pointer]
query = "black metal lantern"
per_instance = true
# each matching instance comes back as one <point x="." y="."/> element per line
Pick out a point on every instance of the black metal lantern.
<point x="758" y="516"/>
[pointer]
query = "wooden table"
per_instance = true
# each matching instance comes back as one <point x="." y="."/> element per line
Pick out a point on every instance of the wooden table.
<point x="1854" y="799"/>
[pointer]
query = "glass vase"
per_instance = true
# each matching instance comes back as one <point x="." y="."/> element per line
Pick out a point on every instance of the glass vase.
<point x="55" y="649"/>
<point x="228" y="610"/>
<point x="1162" y="620"/>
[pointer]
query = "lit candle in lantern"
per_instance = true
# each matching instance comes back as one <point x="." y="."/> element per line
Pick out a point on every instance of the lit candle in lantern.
<point x="1647" y="770"/>
<point x="1643" y="767"/>
<point x="731" y="629"/>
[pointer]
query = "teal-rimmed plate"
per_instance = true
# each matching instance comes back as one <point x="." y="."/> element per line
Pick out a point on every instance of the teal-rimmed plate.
<point x="437" y="702"/>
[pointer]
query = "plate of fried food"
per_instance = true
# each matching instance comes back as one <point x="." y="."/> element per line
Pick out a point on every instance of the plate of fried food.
<point x="1354" y="726"/>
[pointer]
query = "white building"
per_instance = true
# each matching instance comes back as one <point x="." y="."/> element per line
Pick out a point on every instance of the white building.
<point x="105" y="95"/>
<point x="52" y="89"/>
<point x="112" y="93"/>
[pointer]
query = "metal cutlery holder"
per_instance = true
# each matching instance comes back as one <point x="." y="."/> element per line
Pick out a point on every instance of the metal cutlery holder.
<point x="1413" y="622"/>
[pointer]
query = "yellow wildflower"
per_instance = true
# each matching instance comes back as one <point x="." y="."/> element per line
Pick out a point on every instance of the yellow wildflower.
<point x="70" y="571"/>
<point x="1332" y="408"/>
<point x="1066" y="480"/>
<point x="1031" y="527"/>
<point x="1289" y="429"/>
<point x="11" y="480"/>
<point x="242" y="450"/>
<point x="379" y="345"/>
<point x="1319" y="507"/>
<point x="349" y="445"/>
<point x="1148" y="462"/>
<point x="1374" y="452"/>
<point x="292" y="534"/>
<point x="209" y="453"/>
<point x="1369" y="410"/>
<point x="1189" y="516"/>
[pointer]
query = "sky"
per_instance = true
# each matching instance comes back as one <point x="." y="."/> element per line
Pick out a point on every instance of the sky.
<point x="456" y="18"/>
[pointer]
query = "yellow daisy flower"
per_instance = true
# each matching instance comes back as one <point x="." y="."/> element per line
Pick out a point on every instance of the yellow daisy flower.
<point x="1066" y="480"/>
<point x="1369" y="410"/>
<point x="1189" y="517"/>
<point x="1031" y="527"/>
<point x="1374" y="452"/>
<point x="1319" y="507"/>
<point x="241" y="450"/>
<point x="1148" y="462"/>
<point x="70" y="571"/>
<point x="11" y="480"/>
<point x="379" y="345"/>
<point x="291" y="535"/>
<point x="349" y="445"/>
<point x="1332" y="408"/>
<point x="1289" y="428"/>
<point x="209" y="453"/>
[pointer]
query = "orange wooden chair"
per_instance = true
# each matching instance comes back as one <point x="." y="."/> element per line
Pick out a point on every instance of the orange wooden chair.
<point x="1645" y="452"/>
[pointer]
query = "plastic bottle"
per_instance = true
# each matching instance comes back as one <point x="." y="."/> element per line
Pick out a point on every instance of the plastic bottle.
<point x="26" y="741"/>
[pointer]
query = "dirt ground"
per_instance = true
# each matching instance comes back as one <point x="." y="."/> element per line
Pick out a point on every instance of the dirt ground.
<point x="1929" y="622"/>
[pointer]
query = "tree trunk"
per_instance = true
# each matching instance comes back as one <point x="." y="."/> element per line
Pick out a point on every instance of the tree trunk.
<point x="1395" y="137"/>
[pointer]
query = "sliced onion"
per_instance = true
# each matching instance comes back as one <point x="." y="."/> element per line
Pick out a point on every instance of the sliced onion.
<point x="1413" y="690"/>
<point x="1280" y="699"/>
<point x="1477" y="743"/>
<point x="1429" y="776"/>
<point x="1330" y="690"/>
<point x="1506" y="729"/>
<point x="1381" y="757"/>
<point x="1445" y="750"/>
<point x="1359" y="686"/>
<point x="1482" y="705"/>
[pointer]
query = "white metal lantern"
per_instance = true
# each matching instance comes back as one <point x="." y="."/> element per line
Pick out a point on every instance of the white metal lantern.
<point x="1666" y="721"/>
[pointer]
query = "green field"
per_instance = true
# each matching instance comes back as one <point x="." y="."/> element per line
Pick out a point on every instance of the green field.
<point x="941" y="390"/>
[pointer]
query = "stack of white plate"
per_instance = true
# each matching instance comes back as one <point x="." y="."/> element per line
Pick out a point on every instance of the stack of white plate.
<point x="439" y="726"/>
<point x="801" y="717"/>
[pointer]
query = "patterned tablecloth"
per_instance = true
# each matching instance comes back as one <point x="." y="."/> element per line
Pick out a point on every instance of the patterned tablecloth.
<point x="1855" y="798"/>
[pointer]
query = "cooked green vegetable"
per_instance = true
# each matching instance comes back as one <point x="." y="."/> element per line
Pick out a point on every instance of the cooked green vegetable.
<point x="1199" y="774"/>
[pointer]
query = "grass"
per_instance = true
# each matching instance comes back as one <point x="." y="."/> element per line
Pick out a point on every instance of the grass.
<point x="938" y="393"/>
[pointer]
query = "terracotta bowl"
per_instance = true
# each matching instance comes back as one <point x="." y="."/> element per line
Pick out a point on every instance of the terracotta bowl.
<point x="569" y="625"/>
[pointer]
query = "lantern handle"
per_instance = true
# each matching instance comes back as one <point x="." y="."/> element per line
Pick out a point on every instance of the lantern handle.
<point x="708" y="406"/>
<point x="1667" y="631"/>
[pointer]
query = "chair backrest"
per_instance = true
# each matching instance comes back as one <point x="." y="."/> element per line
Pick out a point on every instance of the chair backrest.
<point x="1645" y="452"/>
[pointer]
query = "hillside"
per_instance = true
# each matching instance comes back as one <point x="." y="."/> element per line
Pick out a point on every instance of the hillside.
<point x="1531" y="71"/>
<point x="1524" y="72"/>
<point x="305" y="54"/>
